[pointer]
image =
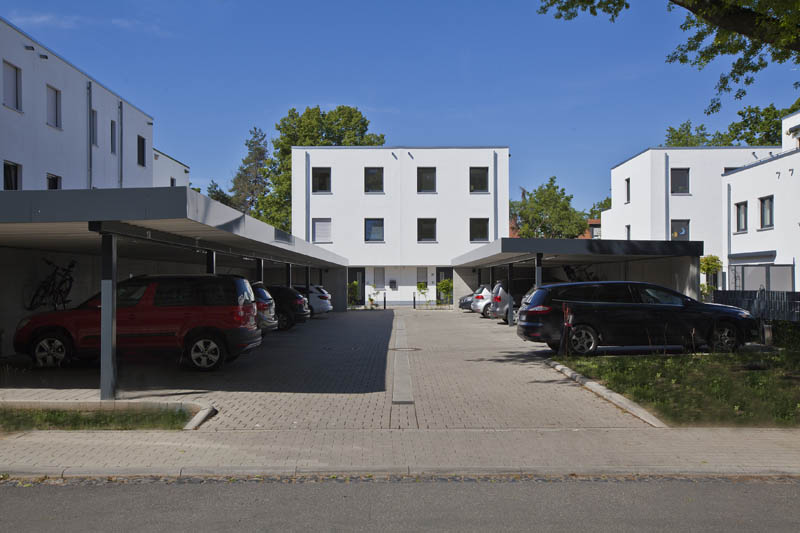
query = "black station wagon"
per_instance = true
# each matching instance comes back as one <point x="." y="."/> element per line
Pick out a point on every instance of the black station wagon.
<point x="621" y="313"/>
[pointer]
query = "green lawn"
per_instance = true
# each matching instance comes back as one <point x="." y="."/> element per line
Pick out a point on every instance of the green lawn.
<point x="28" y="419"/>
<point x="742" y="389"/>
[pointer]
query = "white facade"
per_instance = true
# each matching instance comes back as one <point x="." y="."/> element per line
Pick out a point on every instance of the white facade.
<point x="60" y="128"/>
<point x="169" y="172"/>
<point x="762" y="226"/>
<point x="337" y="218"/>
<point x="647" y="204"/>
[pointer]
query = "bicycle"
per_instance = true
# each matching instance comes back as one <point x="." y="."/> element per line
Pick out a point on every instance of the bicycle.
<point x="54" y="289"/>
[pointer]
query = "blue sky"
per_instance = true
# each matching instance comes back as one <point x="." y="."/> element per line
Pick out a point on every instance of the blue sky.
<point x="571" y="99"/>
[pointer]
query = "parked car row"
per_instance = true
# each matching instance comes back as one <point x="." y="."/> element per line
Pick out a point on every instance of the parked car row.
<point x="616" y="313"/>
<point x="208" y="319"/>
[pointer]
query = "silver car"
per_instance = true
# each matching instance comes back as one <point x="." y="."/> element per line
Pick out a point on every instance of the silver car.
<point x="482" y="300"/>
<point x="501" y="299"/>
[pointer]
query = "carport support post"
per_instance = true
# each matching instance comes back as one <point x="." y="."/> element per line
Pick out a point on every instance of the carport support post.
<point x="308" y="280"/>
<point x="108" y="317"/>
<point x="288" y="274"/>
<point x="259" y="270"/>
<point x="510" y="310"/>
<point x="211" y="262"/>
<point x="538" y="280"/>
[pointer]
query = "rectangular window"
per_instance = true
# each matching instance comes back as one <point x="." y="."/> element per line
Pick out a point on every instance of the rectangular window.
<point x="595" y="232"/>
<point x="53" y="107"/>
<point x="627" y="190"/>
<point x="12" y="86"/>
<point x="478" y="179"/>
<point x="767" y="211"/>
<point x="478" y="230"/>
<point x="373" y="179"/>
<point x="422" y="275"/>
<point x="140" y="150"/>
<point x="741" y="216"/>
<point x="11" y="176"/>
<point x="321" y="230"/>
<point x="320" y="179"/>
<point x="173" y="182"/>
<point x="725" y="170"/>
<point x="53" y="182"/>
<point x="426" y="179"/>
<point x="373" y="229"/>
<point x="679" y="230"/>
<point x="628" y="232"/>
<point x="113" y="137"/>
<point x="679" y="180"/>
<point x="380" y="277"/>
<point x="426" y="230"/>
<point x="93" y="126"/>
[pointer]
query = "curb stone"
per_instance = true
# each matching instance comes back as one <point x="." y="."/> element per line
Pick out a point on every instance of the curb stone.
<point x="607" y="394"/>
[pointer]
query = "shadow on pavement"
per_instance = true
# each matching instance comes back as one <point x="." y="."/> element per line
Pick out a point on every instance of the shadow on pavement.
<point x="344" y="353"/>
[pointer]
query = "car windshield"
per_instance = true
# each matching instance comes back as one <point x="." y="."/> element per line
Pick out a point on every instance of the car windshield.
<point x="480" y="289"/>
<point x="244" y="293"/>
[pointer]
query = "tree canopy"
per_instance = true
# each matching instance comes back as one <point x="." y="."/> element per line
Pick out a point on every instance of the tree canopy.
<point x="752" y="32"/>
<point x="547" y="212"/>
<point x="599" y="207"/>
<point x="756" y="127"/>
<point x="342" y="126"/>
<point x="249" y="183"/>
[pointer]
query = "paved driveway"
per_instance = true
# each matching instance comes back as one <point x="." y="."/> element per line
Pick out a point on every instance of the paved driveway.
<point x="335" y="372"/>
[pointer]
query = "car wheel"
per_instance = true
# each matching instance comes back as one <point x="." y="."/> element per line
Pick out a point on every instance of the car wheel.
<point x="206" y="352"/>
<point x="284" y="321"/>
<point x="554" y="346"/>
<point x="52" y="349"/>
<point x="485" y="311"/>
<point x="583" y="340"/>
<point x="724" y="338"/>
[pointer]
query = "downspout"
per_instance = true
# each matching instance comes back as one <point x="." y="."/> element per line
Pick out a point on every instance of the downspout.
<point x="308" y="196"/>
<point x="119" y="142"/>
<point x="494" y="192"/>
<point x="667" y="224"/>
<point x="89" y="134"/>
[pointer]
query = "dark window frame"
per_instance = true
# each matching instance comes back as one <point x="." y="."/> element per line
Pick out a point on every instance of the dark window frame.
<point x="377" y="170"/>
<point x="17" y="104"/>
<point x="367" y="232"/>
<point x="57" y="180"/>
<point x="113" y="128"/>
<point x="57" y="92"/>
<point x="743" y="227"/>
<point x="674" y="221"/>
<point x="627" y="190"/>
<point x="472" y="188"/>
<point x="672" y="184"/>
<point x="420" y="222"/>
<point x="141" y="151"/>
<point x="471" y="238"/>
<point x="761" y="204"/>
<point x="17" y="177"/>
<point x="316" y="175"/>
<point x="421" y="177"/>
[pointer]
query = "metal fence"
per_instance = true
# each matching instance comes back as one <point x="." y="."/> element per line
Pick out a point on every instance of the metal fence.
<point x="763" y="304"/>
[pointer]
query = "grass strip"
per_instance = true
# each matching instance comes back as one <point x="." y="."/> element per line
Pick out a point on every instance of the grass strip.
<point x="741" y="389"/>
<point x="29" y="419"/>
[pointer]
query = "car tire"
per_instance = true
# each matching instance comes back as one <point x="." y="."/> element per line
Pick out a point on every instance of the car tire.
<point x="555" y="346"/>
<point x="52" y="348"/>
<point x="724" y="338"/>
<point x="206" y="352"/>
<point x="583" y="340"/>
<point x="485" y="311"/>
<point x="285" y="322"/>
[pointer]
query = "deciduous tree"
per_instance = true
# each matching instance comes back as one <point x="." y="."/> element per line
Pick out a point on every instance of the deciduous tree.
<point x="547" y="212"/>
<point x="599" y="207"/>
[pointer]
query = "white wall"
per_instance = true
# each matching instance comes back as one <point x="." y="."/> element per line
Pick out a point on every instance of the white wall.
<point x="165" y="167"/>
<point x="790" y="141"/>
<point x="652" y="206"/>
<point x="779" y="177"/>
<point x="400" y="205"/>
<point x="27" y="139"/>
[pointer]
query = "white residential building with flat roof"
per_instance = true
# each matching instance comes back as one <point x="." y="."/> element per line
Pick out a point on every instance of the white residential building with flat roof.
<point x="168" y="171"/>
<point x="761" y="228"/>
<point x="62" y="129"/>
<point x="400" y="214"/>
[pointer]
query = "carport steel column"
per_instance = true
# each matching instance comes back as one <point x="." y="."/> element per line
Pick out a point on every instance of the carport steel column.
<point x="108" y="317"/>
<point x="538" y="280"/>
<point x="211" y="262"/>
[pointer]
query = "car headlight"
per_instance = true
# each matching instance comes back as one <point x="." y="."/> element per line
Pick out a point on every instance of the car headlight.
<point x="744" y="314"/>
<point x="23" y="323"/>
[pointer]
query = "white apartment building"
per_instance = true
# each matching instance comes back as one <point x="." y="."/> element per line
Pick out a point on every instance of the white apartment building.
<point x="400" y="214"/>
<point x="761" y="229"/>
<point x="168" y="171"/>
<point x="62" y="129"/>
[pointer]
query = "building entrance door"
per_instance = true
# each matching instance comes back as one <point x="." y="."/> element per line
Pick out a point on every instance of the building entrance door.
<point x="443" y="273"/>
<point x="356" y="274"/>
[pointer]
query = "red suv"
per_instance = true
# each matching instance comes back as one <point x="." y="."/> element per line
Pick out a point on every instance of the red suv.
<point x="211" y="318"/>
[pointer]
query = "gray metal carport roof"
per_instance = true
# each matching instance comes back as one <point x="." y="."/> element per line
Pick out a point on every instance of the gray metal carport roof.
<point x="573" y="251"/>
<point x="148" y="217"/>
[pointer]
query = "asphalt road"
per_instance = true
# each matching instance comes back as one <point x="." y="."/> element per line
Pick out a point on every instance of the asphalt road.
<point x="651" y="504"/>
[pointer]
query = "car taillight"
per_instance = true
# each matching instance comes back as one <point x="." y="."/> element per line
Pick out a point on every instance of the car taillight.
<point x="300" y="300"/>
<point x="496" y="299"/>
<point x="539" y="310"/>
<point x="479" y="297"/>
<point x="323" y="297"/>
<point x="239" y="316"/>
<point x="262" y="306"/>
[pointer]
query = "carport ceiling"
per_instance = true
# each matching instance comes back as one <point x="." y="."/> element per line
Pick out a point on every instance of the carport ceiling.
<point x="557" y="252"/>
<point x="148" y="219"/>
